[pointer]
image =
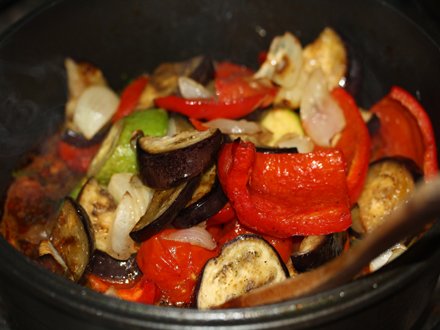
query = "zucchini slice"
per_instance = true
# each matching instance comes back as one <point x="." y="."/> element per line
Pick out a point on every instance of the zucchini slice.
<point x="245" y="263"/>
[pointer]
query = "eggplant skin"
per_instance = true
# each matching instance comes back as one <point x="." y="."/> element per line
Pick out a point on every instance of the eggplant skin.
<point x="113" y="270"/>
<point x="328" y="247"/>
<point x="203" y="208"/>
<point x="167" y="162"/>
<point x="163" y="209"/>
<point x="245" y="263"/>
<point x="72" y="237"/>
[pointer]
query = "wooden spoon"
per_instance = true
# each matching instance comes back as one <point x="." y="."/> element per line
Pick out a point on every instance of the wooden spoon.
<point x="407" y="220"/>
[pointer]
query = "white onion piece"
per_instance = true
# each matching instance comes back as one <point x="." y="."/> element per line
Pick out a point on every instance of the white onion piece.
<point x="387" y="256"/>
<point x="229" y="126"/>
<point x="46" y="247"/>
<point x="134" y="199"/>
<point x="122" y="245"/>
<point x="195" y="235"/>
<point x="284" y="61"/>
<point x="321" y="116"/>
<point x="94" y="109"/>
<point x="302" y="143"/>
<point x="191" y="89"/>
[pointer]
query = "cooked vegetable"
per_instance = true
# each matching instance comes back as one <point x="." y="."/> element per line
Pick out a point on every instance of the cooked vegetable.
<point x="164" y="80"/>
<point x="133" y="204"/>
<point x="285" y="194"/>
<point x="116" y="154"/>
<point x="246" y="263"/>
<point x="130" y="98"/>
<point x="355" y="143"/>
<point x="388" y="183"/>
<point x="100" y="208"/>
<point x="281" y="122"/>
<point x="321" y="116"/>
<point x="174" y="266"/>
<point x="169" y="161"/>
<point x="94" y="109"/>
<point x="191" y="89"/>
<point x="72" y="237"/>
<point x="80" y="76"/>
<point x="114" y="271"/>
<point x="329" y="53"/>
<point x="405" y="130"/>
<point x="207" y="200"/>
<point x="195" y="235"/>
<point x="78" y="140"/>
<point x="237" y="94"/>
<point x="163" y="209"/>
<point x="314" y="251"/>
<point x="76" y="158"/>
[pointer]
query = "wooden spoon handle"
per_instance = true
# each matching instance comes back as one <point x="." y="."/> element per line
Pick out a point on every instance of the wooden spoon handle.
<point x="408" y="219"/>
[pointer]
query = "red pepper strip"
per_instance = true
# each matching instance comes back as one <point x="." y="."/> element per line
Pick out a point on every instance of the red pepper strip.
<point x="198" y="125"/>
<point x="398" y="134"/>
<point x="354" y="142"/>
<point x="227" y="69"/>
<point x="142" y="291"/>
<point x="77" y="159"/>
<point x="211" y="108"/>
<point x="286" y="194"/>
<point x="226" y="214"/>
<point x="130" y="97"/>
<point x="430" y="162"/>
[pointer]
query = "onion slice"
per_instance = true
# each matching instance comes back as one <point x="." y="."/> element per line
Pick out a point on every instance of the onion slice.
<point x="284" y="61"/>
<point x="229" y="126"/>
<point x="191" y="89"/>
<point x="134" y="199"/>
<point x="195" y="235"/>
<point x="94" y="109"/>
<point x="321" y="116"/>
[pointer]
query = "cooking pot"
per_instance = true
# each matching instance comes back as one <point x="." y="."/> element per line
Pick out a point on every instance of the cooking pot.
<point x="126" y="38"/>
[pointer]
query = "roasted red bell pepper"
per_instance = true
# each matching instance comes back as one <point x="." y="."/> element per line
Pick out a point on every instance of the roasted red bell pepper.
<point x="286" y="194"/>
<point x="77" y="159"/>
<point x="130" y="97"/>
<point x="405" y="130"/>
<point x="227" y="69"/>
<point x="142" y="291"/>
<point x="354" y="142"/>
<point x="213" y="108"/>
<point x="237" y="95"/>
<point x="173" y="266"/>
<point x="430" y="161"/>
<point x="226" y="214"/>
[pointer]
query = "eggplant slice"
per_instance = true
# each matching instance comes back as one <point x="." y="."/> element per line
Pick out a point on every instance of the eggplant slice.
<point x="163" y="209"/>
<point x="100" y="208"/>
<point x="316" y="250"/>
<point x="245" y="263"/>
<point x="113" y="270"/>
<point x="72" y="237"/>
<point x="167" y="162"/>
<point x="206" y="201"/>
